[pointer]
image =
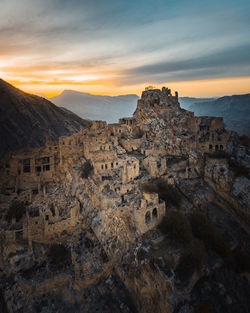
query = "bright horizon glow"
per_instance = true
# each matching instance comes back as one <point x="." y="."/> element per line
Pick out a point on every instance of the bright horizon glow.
<point x="205" y="88"/>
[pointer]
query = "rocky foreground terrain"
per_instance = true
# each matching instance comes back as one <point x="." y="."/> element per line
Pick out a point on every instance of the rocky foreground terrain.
<point x="147" y="215"/>
<point x="26" y="120"/>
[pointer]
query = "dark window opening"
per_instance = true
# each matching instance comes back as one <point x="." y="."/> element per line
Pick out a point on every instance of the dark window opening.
<point x="154" y="213"/>
<point x="26" y="166"/>
<point x="46" y="167"/>
<point x="210" y="147"/>
<point x="52" y="210"/>
<point x="26" y="169"/>
<point x="216" y="148"/>
<point x="147" y="218"/>
<point x="221" y="147"/>
<point x="38" y="169"/>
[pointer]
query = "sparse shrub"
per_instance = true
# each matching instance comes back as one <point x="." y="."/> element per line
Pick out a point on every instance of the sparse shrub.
<point x="59" y="255"/>
<point x="16" y="210"/>
<point x="32" y="271"/>
<point x="104" y="256"/>
<point x="238" y="169"/>
<point x="168" y="193"/>
<point x="245" y="140"/>
<point x="241" y="261"/>
<point x="87" y="169"/>
<point x="202" y="308"/>
<point x="191" y="260"/>
<point x="3" y="305"/>
<point x="150" y="187"/>
<point x="220" y="246"/>
<point x="139" y="133"/>
<point x="203" y="229"/>
<point x="176" y="225"/>
<point x="169" y="262"/>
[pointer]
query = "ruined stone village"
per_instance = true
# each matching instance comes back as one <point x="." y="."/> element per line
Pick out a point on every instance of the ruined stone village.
<point x="93" y="181"/>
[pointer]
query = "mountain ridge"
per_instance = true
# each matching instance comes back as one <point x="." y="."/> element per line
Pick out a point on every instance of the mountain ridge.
<point x="234" y="109"/>
<point x="26" y="120"/>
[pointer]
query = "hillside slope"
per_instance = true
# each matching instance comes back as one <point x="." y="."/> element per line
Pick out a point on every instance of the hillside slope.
<point x="26" y="120"/>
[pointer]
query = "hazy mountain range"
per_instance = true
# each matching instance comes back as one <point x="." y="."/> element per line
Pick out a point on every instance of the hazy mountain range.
<point x="95" y="107"/>
<point x="186" y="102"/>
<point x="26" y="120"/>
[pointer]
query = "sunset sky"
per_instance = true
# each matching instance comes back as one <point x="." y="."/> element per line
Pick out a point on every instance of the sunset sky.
<point x="200" y="48"/>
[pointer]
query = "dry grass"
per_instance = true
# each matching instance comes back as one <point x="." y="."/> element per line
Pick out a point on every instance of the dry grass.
<point x="59" y="256"/>
<point x="204" y="230"/>
<point x="202" y="308"/>
<point x="176" y="225"/>
<point x="16" y="210"/>
<point x="191" y="260"/>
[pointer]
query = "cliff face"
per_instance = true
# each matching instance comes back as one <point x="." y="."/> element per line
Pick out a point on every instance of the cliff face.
<point x="150" y="214"/>
<point x="26" y="120"/>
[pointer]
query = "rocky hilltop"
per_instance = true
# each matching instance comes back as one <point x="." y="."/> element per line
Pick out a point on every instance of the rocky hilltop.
<point x="150" y="214"/>
<point x="26" y="120"/>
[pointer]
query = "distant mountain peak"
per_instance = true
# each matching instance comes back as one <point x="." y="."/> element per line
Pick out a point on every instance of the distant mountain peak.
<point x="97" y="107"/>
<point x="72" y="92"/>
